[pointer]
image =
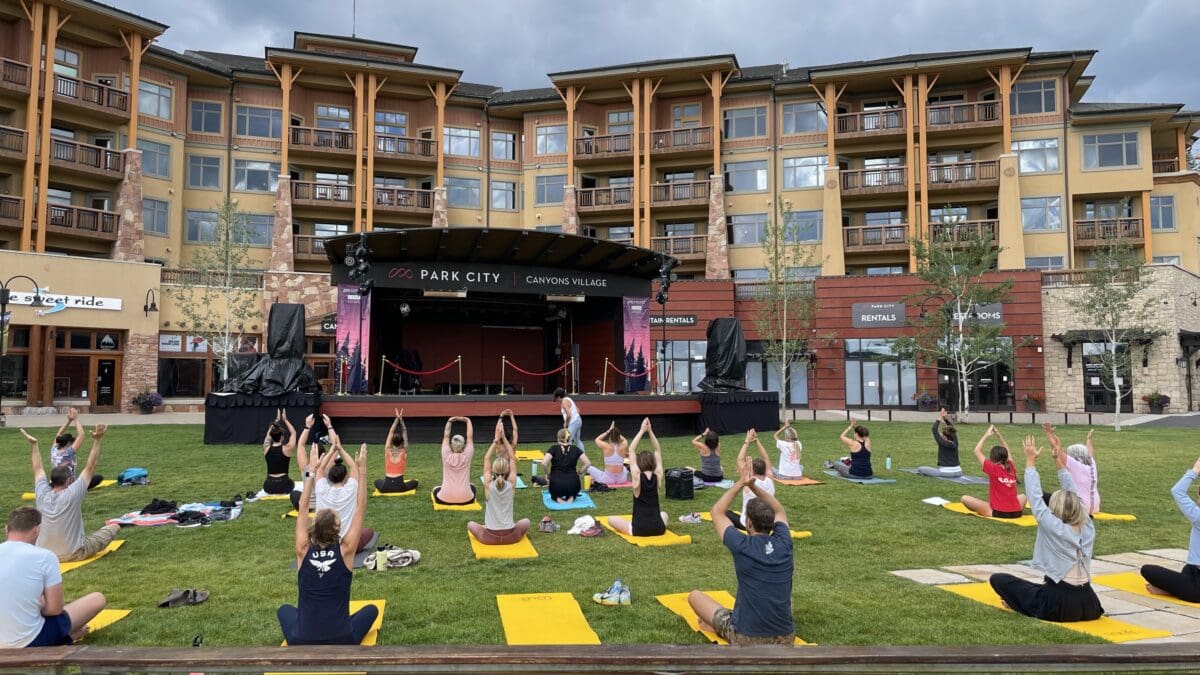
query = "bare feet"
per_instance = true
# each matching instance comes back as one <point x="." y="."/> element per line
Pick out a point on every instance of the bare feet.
<point x="1150" y="588"/>
<point x="78" y="635"/>
<point x="704" y="625"/>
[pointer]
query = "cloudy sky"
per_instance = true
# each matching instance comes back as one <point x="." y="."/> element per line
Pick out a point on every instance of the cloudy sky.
<point x="1147" y="49"/>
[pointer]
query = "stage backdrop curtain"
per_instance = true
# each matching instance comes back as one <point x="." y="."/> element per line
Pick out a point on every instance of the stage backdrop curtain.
<point x="735" y="412"/>
<point x="244" y="418"/>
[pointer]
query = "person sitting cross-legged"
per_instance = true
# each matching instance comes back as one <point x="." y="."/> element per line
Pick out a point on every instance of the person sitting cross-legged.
<point x="1185" y="583"/>
<point x="647" y="519"/>
<point x="499" y="483"/>
<point x="395" y="459"/>
<point x="66" y="445"/>
<point x="763" y="563"/>
<point x="337" y="489"/>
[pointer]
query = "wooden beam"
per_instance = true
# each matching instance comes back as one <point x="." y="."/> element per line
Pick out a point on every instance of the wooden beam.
<point x="52" y="26"/>
<point x="647" y="171"/>
<point x="1004" y="86"/>
<point x="284" y="75"/>
<point x="910" y="128"/>
<point x="922" y="157"/>
<point x="636" y="95"/>
<point x="570" y="100"/>
<point x="134" y="46"/>
<point x="716" y="86"/>
<point x="365" y="138"/>
<point x="31" y="131"/>
<point x="1181" y="149"/>
<point x="829" y="99"/>
<point x="359" y="107"/>
<point x="1147" y="233"/>
<point x="439" y="98"/>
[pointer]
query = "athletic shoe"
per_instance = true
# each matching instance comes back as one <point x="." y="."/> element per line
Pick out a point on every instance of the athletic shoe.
<point x="538" y="480"/>
<point x="617" y="594"/>
<point x="828" y="464"/>
<point x="599" y="487"/>
<point x="593" y="531"/>
<point x="692" y="518"/>
<point x="548" y="525"/>
<point x="251" y="496"/>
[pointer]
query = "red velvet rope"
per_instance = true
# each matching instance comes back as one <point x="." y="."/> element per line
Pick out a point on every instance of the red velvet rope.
<point x="644" y="373"/>
<point x="421" y="372"/>
<point x="533" y="374"/>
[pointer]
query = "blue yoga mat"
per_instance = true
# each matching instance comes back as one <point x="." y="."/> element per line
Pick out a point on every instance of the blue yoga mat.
<point x="861" y="481"/>
<point x="582" y="501"/>
<point x="962" y="479"/>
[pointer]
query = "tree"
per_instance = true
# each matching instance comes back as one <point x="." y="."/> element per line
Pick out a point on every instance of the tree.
<point x="1115" y="300"/>
<point x="949" y="328"/>
<point x="786" y="302"/>
<point x="219" y="294"/>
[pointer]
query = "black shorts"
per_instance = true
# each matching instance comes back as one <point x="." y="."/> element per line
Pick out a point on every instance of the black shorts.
<point x="1007" y="514"/>
<point x="278" y="485"/>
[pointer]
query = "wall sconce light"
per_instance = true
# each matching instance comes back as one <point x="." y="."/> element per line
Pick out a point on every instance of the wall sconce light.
<point x="151" y="304"/>
<point x="1193" y="297"/>
<point x="1181" y="362"/>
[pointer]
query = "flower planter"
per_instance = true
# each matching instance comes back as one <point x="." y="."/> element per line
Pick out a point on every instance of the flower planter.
<point x="1157" y="409"/>
<point x="146" y="409"/>
<point x="926" y="407"/>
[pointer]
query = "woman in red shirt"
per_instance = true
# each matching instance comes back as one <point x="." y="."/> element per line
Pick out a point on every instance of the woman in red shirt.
<point x="1003" y="499"/>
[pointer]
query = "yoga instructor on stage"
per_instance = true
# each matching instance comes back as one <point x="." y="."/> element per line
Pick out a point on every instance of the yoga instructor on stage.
<point x="572" y="422"/>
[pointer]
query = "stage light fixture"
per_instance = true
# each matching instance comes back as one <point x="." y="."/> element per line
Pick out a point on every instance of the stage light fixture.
<point x="405" y="310"/>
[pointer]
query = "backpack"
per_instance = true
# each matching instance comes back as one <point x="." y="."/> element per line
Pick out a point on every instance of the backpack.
<point x="133" y="476"/>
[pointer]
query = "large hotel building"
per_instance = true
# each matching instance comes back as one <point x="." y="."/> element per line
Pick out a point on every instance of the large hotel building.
<point x="115" y="154"/>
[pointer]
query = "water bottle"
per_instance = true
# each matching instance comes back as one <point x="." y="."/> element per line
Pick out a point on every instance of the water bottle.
<point x="887" y="463"/>
<point x="533" y="469"/>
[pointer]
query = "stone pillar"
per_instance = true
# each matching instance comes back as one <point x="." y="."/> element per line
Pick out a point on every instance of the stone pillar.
<point x="1011" y="237"/>
<point x="716" y="259"/>
<point x="570" y="214"/>
<point x="833" y="250"/>
<point x="441" y="215"/>
<point x="139" y="368"/>
<point x="130" y="245"/>
<point x="281" y="237"/>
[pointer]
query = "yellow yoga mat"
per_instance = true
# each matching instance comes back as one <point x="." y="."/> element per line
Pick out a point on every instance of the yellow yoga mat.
<point x="800" y="483"/>
<point x="473" y="506"/>
<point x="410" y="493"/>
<point x="372" y="636"/>
<point x="521" y="549"/>
<point x="1132" y="582"/>
<point x="1105" y="628"/>
<point x="29" y="496"/>
<point x="667" y="539"/>
<point x="1120" y="517"/>
<point x="796" y="534"/>
<point x="268" y="498"/>
<point x="678" y="604"/>
<point x="64" y="567"/>
<point x="106" y="618"/>
<point x="1023" y="521"/>
<point x="544" y="619"/>
<point x="530" y="455"/>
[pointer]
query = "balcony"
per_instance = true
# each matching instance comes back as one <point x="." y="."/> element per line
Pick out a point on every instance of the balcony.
<point x="92" y="97"/>
<point x="1166" y="165"/>
<point x="308" y="247"/>
<point x="12" y="143"/>
<point x="875" y="238"/>
<point x="955" y="116"/>
<point x="603" y="147"/>
<point x="874" y="181"/>
<point x="185" y="277"/>
<point x="683" y="247"/>
<point x="405" y="148"/>
<point x="14" y="76"/>
<point x="308" y="193"/>
<point x="967" y="230"/>
<point x="85" y="159"/>
<point x="81" y="221"/>
<point x="681" y="141"/>
<point x="984" y="174"/>
<point x="754" y="290"/>
<point x="10" y="211"/>
<point x="680" y="194"/>
<point x="871" y="124"/>
<point x="596" y="200"/>
<point x="403" y="200"/>
<point x="319" y="141"/>
<point x="1103" y="231"/>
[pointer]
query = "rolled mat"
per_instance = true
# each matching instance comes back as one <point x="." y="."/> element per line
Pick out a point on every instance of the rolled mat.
<point x="861" y="481"/>
<point x="961" y="479"/>
<point x="1105" y="628"/>
<point x="29" y="496"/>
<point x="521" y="549"/>
<point x="678" y="604"/>
<point x="959" y="507"/>
<point x="106" y="618"/>
<point x="1132" y="582"/>
<point x="64" y="567"/>
<point x="372" y="636"/>
<point x="377" y="493"/>
<point x="801" y="482"/>
<point x="582" y="501"/>
<point x="473" y="506"/>
<point x="796" y="534"/>
<point x="544" y="619"/>
<point x="668" y="538"/>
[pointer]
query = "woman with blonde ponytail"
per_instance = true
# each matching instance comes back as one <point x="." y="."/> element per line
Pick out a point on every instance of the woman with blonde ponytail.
<point x="499" y="482"/>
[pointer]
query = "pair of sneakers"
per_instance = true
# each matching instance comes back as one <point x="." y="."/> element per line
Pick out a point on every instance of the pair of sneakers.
<point x="548" y="525"/>
<point x="692" y="518"/>
<point x="617" y="594"/>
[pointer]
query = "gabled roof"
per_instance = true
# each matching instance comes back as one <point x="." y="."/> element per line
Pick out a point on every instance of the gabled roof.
<point x="1117" y="107"/>
<point x="520" y="96"/>
<point x="473" y="90"/>
<point x="190" y="59"/>
<point x="252" y="64"/>
<point x="152" y="26"/>
<point x="751" y="73"/>
<point x="300" y="39"/>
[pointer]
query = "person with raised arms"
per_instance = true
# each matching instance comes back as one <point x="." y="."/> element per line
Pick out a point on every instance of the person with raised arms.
<point x="572" y="420"/>
<point x="789" y="467"/>
<point x="647" y="519"/>
<point x="614" y="448"/>
<point x="945" y="435"/>
<point x="499" y="485"/>
<point x="761" y="468"/>
<point x="67" y="445"/>
<point x="395" y="458"/>
<point x="278" y="455"/>
<point x="561" y="465"/>
<point x="860" y="453"/>
<point x="457" y="452"/>
<point x="1003" y="499"/>
<point x="1184" y="584"/>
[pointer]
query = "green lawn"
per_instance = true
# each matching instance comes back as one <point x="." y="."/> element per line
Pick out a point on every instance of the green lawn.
<point x="843" y="593"/>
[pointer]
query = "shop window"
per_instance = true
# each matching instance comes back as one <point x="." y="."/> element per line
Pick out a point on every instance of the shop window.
<point x="683" y="367"/>
<point x="876" y="376"/>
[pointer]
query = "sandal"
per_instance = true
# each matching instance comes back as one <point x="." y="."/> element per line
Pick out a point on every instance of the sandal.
<point x="179" y="598"/>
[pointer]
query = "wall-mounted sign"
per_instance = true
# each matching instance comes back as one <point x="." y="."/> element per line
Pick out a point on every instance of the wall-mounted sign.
<point x="992" y="313"/>
<point x="673" y="319"/>
<point x="197" y="343"/>
<point x="329" y="324"/>
<point x="170" y="343"/>
<point x="107" y="342"/>
<point x="52" y="302"/>
<point x="877" y="315"/>
<point x="434" y="276"/>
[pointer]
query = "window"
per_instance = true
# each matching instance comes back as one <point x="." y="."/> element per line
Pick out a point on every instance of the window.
<point x="1166" y="260"/>
<point x="885" y="270"/>
<point x="1030" y="98"/>
<point x="1041" y="214"/>
<point x="556" y="229"/>
<point x="803" y="226"/>
<point x="622" y="233"/>
<point x="154" y="100"/>
<point x="154" y="216"/>
<point x="59" y="196"/>
<point x="801" y="118"/>
<point x="549" y="189"/>
<point x="685" y="115"/>
<point x="66" y="62"/>
<point x="461" y="142"/>
<point x="259" y="122"/>
<point x="333" y="117"/>
<point x="620" y="122"/>
<point x="389" y="182"/>
<point x="156" y="158"/>
<point x="326" y="230"/>
<point x="746" y="176"/>
<point x="258" y="230"/>
<point x="1162" y="213"/>
<point x="504" y="195"/>
<point x="504" y="145"/>
<point x="947" y="214"/>
<point x="206" y="117"/>
<point x="204" y="172"/>
<point x="684" y="364"/>
<point x="1037" y="156"/>
<point x="678" y="229"/>
<point x="804" y="172"/>
<point x="255" y="176"/>
<point x="747" y="228"/>
<point x="551" y="140"/>
<point x="745" y="122"/>
<point x="331" y="178"/>
<point x="1044" y="262"/>
<point x="877" y="376"/>
<point x="462" y="192"/>
<point x="201" y="227"/>
<point x="1109" y="150"/>
<point x="391" y="123"/>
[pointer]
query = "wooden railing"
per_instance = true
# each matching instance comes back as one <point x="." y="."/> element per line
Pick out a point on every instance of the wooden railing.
<point x="751" y="290"/>
<point x="337" y="140"/>
<point x="83" y="154"/>
<point x="869" y="179"/>
<point x="10" y="208"/>
<point x="82" y="219"/>
<point x="404" y="199"/>
<point x="889" y="120"/>
<point x="12" y="139"/>
<point x="681" y="191"/>
<point x="14" y="72"/>
<point x="964" y="172"/>
<point x="1102" y="229"/>
<point x="99" y="95"/>
<point x="405" y="146"/>
<point x="605" y="196"/>
<point x="690" y="138"/>
<point x="1166" y="165"/>
<point x="875" y="235"/>
<point x="182" y="277"/>
<point x="1074" y="277"/>
<point x="611" y="144"/>
<point x="322" y="192"/>
<point x="965" y="230"/>
<point x="308" y="245"/>
<point x="963" y="113"/>
<point x="682" y="244"/>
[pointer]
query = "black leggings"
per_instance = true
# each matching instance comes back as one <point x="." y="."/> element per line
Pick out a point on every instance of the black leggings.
<point x="360" y="625"/>
<point x="1184" y="584"/>
<point x="395" y="484"/>
<point x="1048" y="601"/>
<point x="278" y="485"/>
<point x="438" y="489"/>
<point x="709" y="478"/>
<point x="95" y="481"/>
<point x="735" y="519"/>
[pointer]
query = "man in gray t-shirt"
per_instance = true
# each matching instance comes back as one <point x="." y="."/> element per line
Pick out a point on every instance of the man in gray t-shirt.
<point x="60" y="500"/>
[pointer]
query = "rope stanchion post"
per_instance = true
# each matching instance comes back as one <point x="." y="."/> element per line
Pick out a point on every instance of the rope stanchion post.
<point x="574" y="379"/>
<point x="382" y="367"/>
<point x="503" y="361"/>
<point x="604" y="380"/>
<point x="458" y="359"/>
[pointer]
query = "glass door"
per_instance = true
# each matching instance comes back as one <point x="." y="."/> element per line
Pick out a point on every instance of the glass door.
<point x="1098" y="394"/>
<point x="106" y="383"/>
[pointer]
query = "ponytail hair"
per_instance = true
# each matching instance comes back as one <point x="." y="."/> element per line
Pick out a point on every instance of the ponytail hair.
<point x="500" y="469"/>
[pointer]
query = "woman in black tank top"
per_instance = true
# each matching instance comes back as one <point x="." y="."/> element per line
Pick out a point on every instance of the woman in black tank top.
<point x="648" y="520"/>
<point x="278" y="455"/>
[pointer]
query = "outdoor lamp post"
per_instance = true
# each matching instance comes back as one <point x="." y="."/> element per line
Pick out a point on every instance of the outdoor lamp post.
<point x="5" y="296"/>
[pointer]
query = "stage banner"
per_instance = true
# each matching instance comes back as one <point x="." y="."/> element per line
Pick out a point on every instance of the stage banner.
<point x="353" y="354"/>
<point x="638" y="350"/>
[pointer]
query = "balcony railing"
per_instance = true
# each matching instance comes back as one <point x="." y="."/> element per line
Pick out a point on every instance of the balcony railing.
<point x="675" y="140"/>
<point x="888" y="179"/>
<point x="99" y="96"/>
<point x="679" y="192"/>
<point x="875" y="236"/>
<point x="87" y="156"/>
<point x="684" y="245"/>
<point x="874" y="121"/>
<point x="966" y="230"/>
<point x="405" y="146"/>
<point x="950" y="173"/>
<point x="982" y="113"/>
<point x="753" y="290"/>
<point x="332" y="140"/>
<point x="599" y="199"/>
<point x="1101" y="230"/>
<point x="10" y="209"/>
<point x="82" y="219"/>
<point x="333" y="194"/>
<point x="182" y="277"/>
<point x="308" y="246"/>
<point x="12" y="141"/>
<point x="1074" y="277"/>
<point x="14" y="74"/>
<point x="404" y="199"/>
<point x="603" y="146"/>
<point x="1166" y="165"/>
